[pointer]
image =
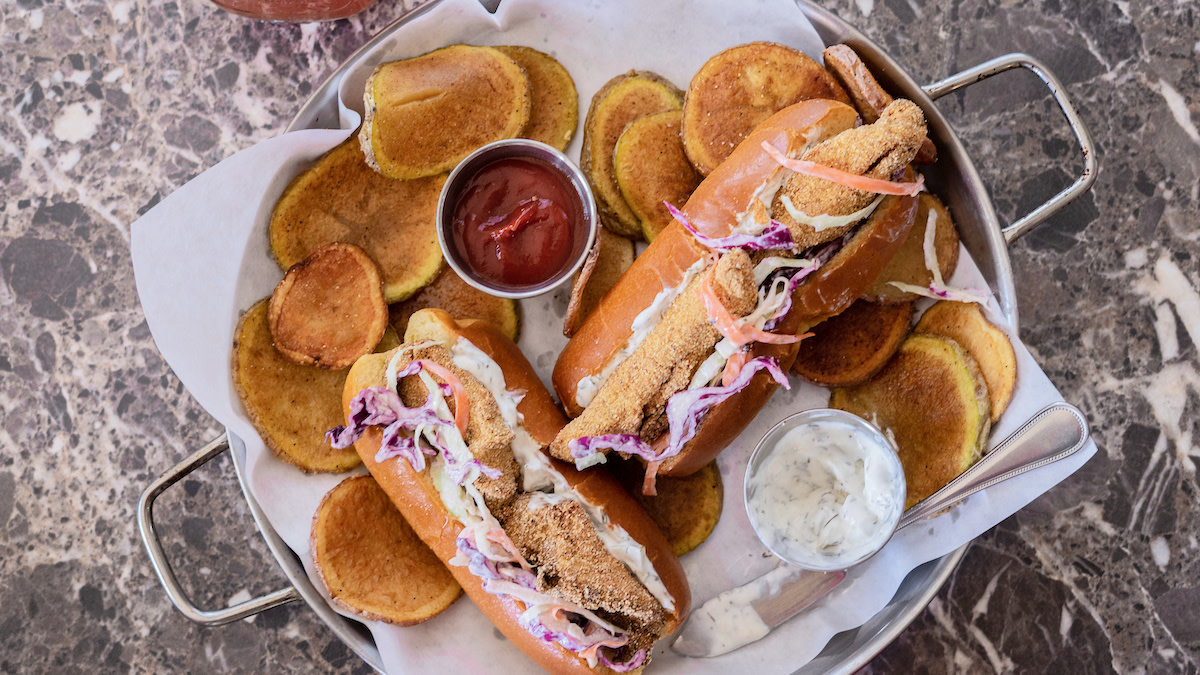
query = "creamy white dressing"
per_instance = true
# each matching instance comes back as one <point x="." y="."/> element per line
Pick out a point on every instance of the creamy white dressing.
<point x="712" y="367"/>
<point x="587" y="387"/>
<point x="749" y="221"/>
<point x="767" y="265"/>
<point x="825" y="221"/>
<point x="770" y="299"/>
<point x="826" y="495"/>
<point x="729" y="621"/>
<point x="711" y="370"/>
<point x="534" y="476"/>
<point x="539" y="477"/>
<point x="463" y="501"/>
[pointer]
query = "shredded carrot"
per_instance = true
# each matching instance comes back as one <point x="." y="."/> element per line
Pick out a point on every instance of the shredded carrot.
<point x="460" y="394"/>
<point x="733" y="366"/>
<point x="845" y="178"/>
<point x="725" y="322"/>
<point x="740" y="332"/>
<point x="755" y="335"/>
<point x="649" y="483"/>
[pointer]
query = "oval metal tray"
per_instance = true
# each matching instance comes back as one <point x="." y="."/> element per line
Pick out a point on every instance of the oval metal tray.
<point x="954" y="176"/>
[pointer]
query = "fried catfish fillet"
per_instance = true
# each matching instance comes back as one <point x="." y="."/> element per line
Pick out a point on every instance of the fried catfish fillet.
<point x="634" y="399"/>
<point x="488" y="438"/>
<point x="878" y="150"/>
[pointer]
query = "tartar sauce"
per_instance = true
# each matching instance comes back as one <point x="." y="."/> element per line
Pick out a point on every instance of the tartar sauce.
<point x="827" y="494"/>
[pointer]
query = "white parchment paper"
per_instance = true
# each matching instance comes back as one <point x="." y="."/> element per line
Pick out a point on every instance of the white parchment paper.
<point x="201" y="258"/>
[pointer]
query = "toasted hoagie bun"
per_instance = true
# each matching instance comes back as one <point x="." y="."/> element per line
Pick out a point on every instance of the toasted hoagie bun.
<point x="739" y="196"/>
<point x="554" y="557"/>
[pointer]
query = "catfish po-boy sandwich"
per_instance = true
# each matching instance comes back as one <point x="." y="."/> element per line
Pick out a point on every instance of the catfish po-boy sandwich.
<point x="452" y="424"/>
<point x="690" y="343"/>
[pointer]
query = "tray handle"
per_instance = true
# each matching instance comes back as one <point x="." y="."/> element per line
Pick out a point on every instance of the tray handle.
<point x="1082" y="184"/>
<point x="162" y="567"/>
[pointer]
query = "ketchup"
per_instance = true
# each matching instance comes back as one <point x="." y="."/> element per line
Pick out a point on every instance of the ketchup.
<point x="516" y="222"/>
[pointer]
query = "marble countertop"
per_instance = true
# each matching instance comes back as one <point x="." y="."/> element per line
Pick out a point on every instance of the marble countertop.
<point x="112" y="105"/>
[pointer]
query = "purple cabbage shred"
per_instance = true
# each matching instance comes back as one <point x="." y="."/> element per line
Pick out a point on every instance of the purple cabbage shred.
<point x="685" y="410"/>
<point x="776" y="235"/>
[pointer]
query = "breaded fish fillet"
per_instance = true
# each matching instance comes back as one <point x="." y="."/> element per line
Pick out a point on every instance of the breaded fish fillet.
<point x="488" y="438"/>
<point x="633" y="400"/>
<point x="560" y="541"/>
<point x="876" y="150"/>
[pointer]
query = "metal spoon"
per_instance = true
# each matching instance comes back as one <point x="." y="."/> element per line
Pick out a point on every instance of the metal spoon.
<point x="1054" y="433"/>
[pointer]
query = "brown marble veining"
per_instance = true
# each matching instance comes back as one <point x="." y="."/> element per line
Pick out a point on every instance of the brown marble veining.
<point x="109" y="106"/>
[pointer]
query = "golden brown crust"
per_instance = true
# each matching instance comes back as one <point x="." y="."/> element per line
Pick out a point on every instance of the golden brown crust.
<point x="488" y="438"/>
<point x="849" y="348"/>
<point x="857" y="80"/>
<point x="543" y="419"/>
<point x="560" y="541"/>
<point x="329" y="309"/>
<point x="686" y="508"/>
<point x="739" y="88"/>
<point x="604" y="333"/>
<point x="600" y="487"/>
<point x="449" y="292"/>
<point x="420" y="504"/>
<point x="877" y="150"/>
<point x="832" y="288"/>
<point x="290" y="405"/>
<point x="609" y="258"/>
<point x="908" y="265"/>
<point x="340" y="198"/>
<point x="713" y="209"/>
<point x="620" y="101"/>
<point x="933" y="400"/>
<point x="725" y="422"/>
<point x="651" y="168"/>
<point x="866" y="92"/>
<point x="661" y="366"/>
<point x="715" y="205"/>
<point x="634" y="399"/>
<point x="372" y="562"/>
<point x="966" y="324"/>
<point x="426" y="113"/>
<point x="554" y="102"/>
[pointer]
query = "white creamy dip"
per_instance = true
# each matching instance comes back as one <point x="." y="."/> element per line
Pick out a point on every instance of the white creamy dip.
<point x="729" y="620"/>
<point x="827" y="493"/>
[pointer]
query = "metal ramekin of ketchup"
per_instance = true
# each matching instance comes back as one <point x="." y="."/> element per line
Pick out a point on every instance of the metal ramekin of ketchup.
<point x="516" y="218"/>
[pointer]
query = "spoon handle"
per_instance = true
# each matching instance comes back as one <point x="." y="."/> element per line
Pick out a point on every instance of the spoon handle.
<point x="1054" y="433"/>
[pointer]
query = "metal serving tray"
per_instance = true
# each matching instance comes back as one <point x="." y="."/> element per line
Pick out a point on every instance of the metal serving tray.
<point x="953" y="177"/>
